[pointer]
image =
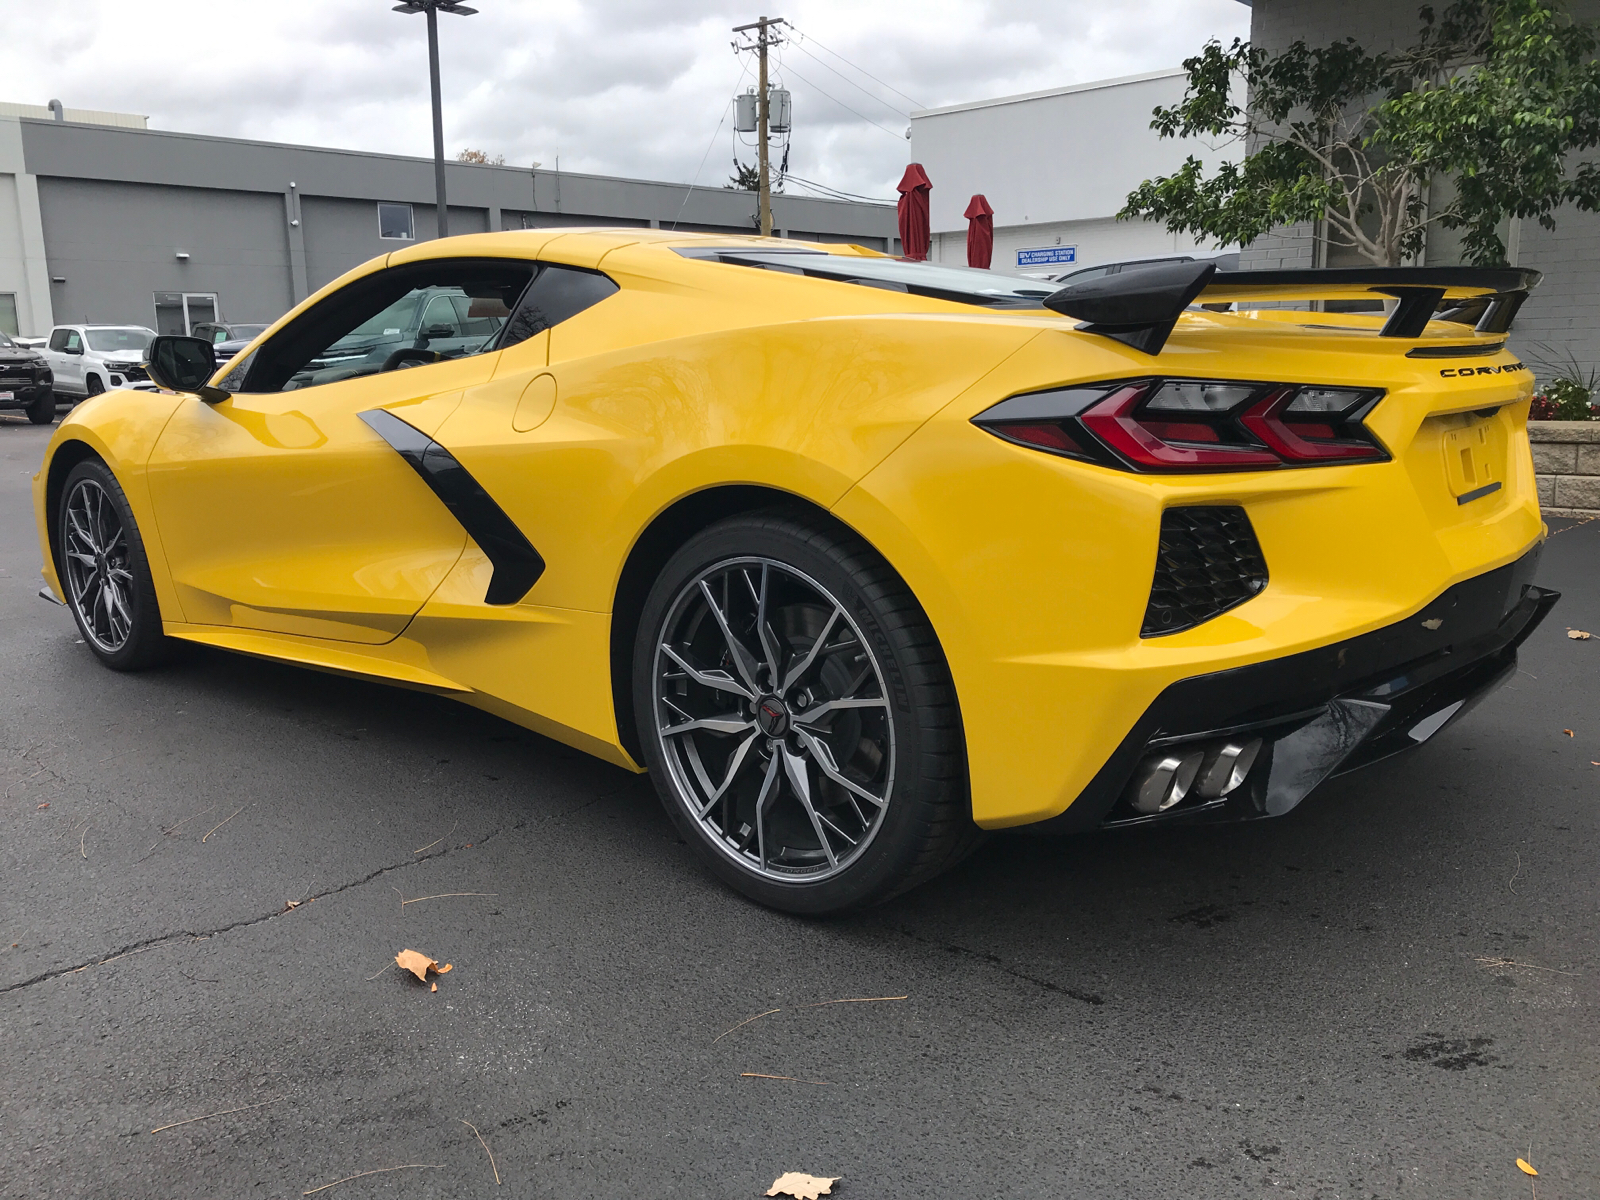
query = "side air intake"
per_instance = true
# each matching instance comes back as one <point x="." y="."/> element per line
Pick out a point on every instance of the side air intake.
<point x="1209" y="561"/>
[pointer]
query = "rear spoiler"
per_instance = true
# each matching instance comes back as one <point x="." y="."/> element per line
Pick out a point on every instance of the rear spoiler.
<point x="1140" y="307"/>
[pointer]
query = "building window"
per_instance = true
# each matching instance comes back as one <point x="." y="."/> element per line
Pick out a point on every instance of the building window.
<point x="8" y="314"/>
<point x="180" y="312"/>
<point x="394" y="222"/>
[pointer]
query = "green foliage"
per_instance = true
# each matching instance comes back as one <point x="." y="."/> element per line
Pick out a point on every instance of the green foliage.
<point x="1493" y="94"/>
<point x="745" y="178"/>
<point x="1567" y="386"/>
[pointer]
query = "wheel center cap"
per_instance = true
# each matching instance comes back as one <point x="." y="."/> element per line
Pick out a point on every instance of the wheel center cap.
<point x="772" y="716"/>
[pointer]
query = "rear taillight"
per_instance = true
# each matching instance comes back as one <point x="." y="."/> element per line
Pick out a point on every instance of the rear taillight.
<point x="1193" y="424"/>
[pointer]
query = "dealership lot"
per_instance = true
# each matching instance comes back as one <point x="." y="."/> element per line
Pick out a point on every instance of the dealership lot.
<point x="204" y="872"/>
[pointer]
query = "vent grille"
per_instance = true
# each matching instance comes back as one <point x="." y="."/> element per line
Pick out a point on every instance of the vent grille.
<point x="1209" y="562"/>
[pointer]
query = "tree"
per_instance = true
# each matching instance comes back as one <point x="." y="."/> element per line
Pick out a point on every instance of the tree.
<point x="481" y="157"/>
<point x="744" y="178"/>
<point x="1472" y="123"/>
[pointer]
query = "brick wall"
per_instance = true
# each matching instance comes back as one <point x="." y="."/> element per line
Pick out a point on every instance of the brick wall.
<point x="1566" y="463"/>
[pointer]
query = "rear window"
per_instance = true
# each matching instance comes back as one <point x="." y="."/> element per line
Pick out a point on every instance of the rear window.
<point x="963" y="285"/>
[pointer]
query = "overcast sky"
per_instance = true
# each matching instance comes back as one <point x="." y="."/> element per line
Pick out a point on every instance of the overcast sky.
<point x="620" y="87"/>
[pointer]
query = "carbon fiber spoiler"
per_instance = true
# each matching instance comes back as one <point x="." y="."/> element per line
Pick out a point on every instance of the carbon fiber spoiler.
<point x="1140" y="307"/>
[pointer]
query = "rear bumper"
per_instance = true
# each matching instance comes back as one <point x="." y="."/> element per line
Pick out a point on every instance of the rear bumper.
<point x="1332" y="709"/>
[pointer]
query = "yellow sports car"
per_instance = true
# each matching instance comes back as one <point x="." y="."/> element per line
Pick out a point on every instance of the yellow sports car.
<point x="858" y="557"/>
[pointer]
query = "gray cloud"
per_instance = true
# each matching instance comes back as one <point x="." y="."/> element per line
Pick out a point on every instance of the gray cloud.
<point x="624" y="87"/>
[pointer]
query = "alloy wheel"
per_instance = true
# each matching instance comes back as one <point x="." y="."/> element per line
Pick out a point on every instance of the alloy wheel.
<point x="94" y="550"/>
<point x="771" y="713"/>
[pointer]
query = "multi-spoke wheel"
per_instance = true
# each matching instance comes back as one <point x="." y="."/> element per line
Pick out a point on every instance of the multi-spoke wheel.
<point x="798" y="716"/>
<point x="103" y="570"/>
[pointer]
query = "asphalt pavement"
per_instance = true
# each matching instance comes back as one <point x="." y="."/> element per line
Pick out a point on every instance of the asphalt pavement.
<point x="206" y="870"/>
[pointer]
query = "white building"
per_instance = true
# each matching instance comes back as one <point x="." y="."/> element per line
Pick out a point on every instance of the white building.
<point x="1056" y="166"/>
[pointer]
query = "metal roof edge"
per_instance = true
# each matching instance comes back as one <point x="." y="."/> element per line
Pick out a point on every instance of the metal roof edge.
<point x="997" y="101"/>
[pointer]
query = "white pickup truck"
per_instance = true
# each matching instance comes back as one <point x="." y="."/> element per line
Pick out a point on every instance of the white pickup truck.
<point x="89" y="359"/>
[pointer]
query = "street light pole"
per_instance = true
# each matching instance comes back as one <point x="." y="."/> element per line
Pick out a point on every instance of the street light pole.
<point x="441" y="205"/>
<point x="432" y="9"/>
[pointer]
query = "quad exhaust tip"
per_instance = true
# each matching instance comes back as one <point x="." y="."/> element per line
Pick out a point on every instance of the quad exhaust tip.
<point x="1210" y="771"/>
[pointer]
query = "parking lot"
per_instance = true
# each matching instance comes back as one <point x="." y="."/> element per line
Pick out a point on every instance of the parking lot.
<point x="205" y="873"/>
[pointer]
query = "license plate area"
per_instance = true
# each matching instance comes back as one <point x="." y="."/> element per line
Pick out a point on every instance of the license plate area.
<point x="1474" y="456"/>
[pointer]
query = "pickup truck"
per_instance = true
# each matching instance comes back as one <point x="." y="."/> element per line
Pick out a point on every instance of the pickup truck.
<point x="88" y="359"/>
<point x="25" y="381"/>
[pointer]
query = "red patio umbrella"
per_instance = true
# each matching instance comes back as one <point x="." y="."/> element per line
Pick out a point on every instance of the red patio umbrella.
<point x="913" y="191"/>
<point x="980" y="232"/>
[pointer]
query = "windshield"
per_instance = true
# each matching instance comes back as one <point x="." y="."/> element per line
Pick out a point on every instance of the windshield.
<point x="243" y="333"/>
<point x="105" y="340"/>
<point x="4" y="340"/>
<point x="964" y="285"/>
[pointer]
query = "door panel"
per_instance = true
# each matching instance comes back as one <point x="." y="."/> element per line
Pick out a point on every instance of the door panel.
<point x="286" y="512"/>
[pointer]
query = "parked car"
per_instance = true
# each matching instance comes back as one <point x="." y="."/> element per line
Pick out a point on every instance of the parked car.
<point x="89" y="359"/>
<point x="227" y="339"/>
<point x="1225" y="262"/>
<point x="26" y="381"/>
<point x="854" y="555"/>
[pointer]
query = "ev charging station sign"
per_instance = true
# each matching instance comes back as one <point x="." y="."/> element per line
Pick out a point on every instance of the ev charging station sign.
<point x="1047" y="256"/>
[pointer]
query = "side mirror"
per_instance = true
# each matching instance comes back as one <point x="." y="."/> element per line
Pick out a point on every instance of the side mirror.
<point x="71" y="349"/>
<point x="440" y="331"/>
<point x="183" y="364"/>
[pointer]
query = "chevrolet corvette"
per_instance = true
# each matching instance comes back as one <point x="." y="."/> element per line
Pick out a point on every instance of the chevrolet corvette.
<point x="857" y="557"/>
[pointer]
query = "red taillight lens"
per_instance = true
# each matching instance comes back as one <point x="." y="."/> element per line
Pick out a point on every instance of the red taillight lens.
<point x="1114" y="422"/>
<point x="1045" y="435"/>
<point x="1273" y="420"/>
<point x="1192" y="424"/>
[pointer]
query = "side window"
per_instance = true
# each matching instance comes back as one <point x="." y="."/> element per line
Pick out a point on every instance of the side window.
<point x="58" y="339"/>
<point x="558" y="293"/>
<point x="390" y="320"/>
<point x="74" y="342"/>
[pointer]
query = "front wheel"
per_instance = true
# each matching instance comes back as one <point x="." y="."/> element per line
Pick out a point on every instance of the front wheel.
<point x="105" y="573"/>
<point x="798" y="716"/>
<point x="43" y="409"/>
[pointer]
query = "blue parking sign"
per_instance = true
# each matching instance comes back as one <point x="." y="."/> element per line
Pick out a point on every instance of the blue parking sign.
<point x="1046" y="256"/>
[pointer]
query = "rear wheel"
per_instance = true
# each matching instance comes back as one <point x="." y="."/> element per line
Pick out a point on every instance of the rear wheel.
<point x="105" y="573"/>
<point x="798" y="717"/>
<point x="43" y="409"/>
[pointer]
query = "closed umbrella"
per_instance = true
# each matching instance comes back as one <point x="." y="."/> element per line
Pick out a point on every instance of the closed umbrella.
<point x="913" y="191"/>
<point x="980" y="232"/>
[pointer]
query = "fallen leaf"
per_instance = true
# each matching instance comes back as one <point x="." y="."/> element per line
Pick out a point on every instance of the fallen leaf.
<point x="289" y="904"/>
<point x="1569" y="733"/>
<point x="46" y="804"/>
<point x="418" y="964"/>
<point x="447" y="968"/>
<point x="802" y="1186"/>
<point x="1578" y="635"/>
<point x="436" y="987"/>
<point x="1526" y="1169"/>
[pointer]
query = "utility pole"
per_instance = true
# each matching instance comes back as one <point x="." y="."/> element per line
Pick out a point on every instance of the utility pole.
<point x="764" y="39"/>
<point x="431" y="8"/>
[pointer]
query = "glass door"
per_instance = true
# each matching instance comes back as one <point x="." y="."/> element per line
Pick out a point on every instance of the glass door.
<point x="180" y="312"/>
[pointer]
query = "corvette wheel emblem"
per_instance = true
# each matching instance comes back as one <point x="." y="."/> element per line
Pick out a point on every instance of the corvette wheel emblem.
<point x="772" y="716"/>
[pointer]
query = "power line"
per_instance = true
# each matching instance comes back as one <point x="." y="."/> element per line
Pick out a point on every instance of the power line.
<point x="846" y="107"/>
<point x="835" y="192"/>
<point x="807" y="37"/>
<point x="851" y="82"/>
<point x="693" y="183"/>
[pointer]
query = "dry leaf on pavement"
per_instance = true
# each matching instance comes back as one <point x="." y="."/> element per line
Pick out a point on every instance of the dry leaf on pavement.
<point x="1569" y="733"/>
<point x="419" y="964"/>
<point x="802" y="1186"/>
<point x="1526" y="1169"/>
<point x="1578" y="635"/>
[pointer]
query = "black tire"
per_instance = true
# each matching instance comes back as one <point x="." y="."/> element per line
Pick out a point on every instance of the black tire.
<point x="43" y="409"/>
<point x="122" y="625"/>
<point x="92" y="386"/>
<point x="924" y="825"/>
